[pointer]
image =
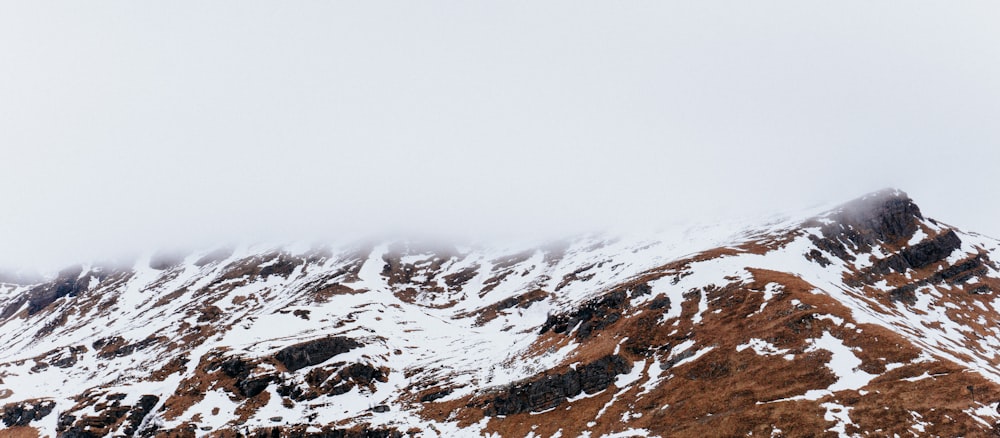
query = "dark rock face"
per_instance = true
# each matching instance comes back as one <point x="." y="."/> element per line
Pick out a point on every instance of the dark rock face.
<point x="593" y="315"/>
<point x="251" y="387"/>
<point x="139" y="412"/>
<point x="282" y="267"/>
<point x="334" y="380"/>
<point x="315" y="352"/>
<point x="326" y="432"/>
<point x="550" y="391"/>
<point x="920" y="255"/>
<point x="677" y="358"/>
<point x="22" y="414"/>
<point x="886" y="216"/>
<point x="661" y="302"/>
<point x="115" y="346"/>
<point x="111" y="415"/>
<point x="436" y="395"/>
<point x="955" y="274"/>
<point x="246" y="385"/>
<point x="69" y="283"/>
<point x="235" y="367"/>
<point x="61" y="357"/>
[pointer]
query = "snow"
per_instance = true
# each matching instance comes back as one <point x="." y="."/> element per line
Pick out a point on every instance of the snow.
<point x="698" y="354"/>
<point x="843" y="363"/>
<point x="838" y="414"/>
<point x="918" y="237"/>
<point x="764" y="348"/>
<point x="435" y="334"/>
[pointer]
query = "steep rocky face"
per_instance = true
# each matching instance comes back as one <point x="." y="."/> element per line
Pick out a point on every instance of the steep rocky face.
<point x="298" y="356"/>
<point x="869" y="319"/>
<point x="110" y="414"/>
<point x="23" y="413"/>
<point x="888" y="216"/>
<point x="553" y="390"/>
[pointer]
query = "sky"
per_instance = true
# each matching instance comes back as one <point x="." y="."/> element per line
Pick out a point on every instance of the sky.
<point x="132" y="125"/>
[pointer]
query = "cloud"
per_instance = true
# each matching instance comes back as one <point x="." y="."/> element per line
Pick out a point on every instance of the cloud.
<point x="129" y="125"/>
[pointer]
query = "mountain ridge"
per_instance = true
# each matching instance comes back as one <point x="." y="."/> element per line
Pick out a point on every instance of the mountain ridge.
<point x="867" y="318"/>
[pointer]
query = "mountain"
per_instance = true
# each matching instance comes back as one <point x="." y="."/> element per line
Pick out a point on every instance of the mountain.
<point x="869" y="319"/>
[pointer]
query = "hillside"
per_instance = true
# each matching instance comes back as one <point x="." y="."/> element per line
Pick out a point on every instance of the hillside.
<point x="869" y="319"/>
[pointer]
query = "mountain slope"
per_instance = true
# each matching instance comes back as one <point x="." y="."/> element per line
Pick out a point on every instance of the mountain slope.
<point x="868" y="319"/>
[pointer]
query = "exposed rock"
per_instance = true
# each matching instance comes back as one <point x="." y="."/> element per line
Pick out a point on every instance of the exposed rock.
<point x="240" y="369"/>
<point x="458" y="279"/>
<point x="595" y="314"/>
<point x="115" y="346"/>
<point x="660" y="302"/>
<point x="818" y="257"/>
<point x="668" y="364"/>
<point x="64" y="357"/>
<point x="110" y="416"/>
<point x="23" y="413"/>
<point x="283" y="266"/>
<point x="920" y="255"/>
<point x="235" y="367"/>
<point x="69" y="283"/>
<point x="251" y="387"/>
<point x="640" y="290"/>
<point x="522" y="301"/>
<point x="209" y="313"/>
<point x="883" y="217"/>
<point x="435" y="395"/>
<point x="325" y="432"/>
<point x="139" y="412"/>
<point x="550" y="391"/>
<point x="334" y="380"/>
<point x="955" y="274"/>
<point x="298" y="356"/>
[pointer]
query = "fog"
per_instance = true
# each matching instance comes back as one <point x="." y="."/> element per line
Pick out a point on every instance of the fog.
<point x="134" y="125"/>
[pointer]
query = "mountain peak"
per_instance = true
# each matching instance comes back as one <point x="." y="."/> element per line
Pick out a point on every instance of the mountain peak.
<point x="814" y="328"/>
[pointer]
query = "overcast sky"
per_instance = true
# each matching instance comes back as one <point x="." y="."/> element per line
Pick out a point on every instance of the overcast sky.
<point x="130" y="124"/>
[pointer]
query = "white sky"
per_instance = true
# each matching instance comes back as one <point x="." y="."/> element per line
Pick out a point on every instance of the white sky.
<point x="130" y="124"/>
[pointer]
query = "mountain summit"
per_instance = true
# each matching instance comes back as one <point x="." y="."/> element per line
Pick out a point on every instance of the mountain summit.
<point x="866" y="320"/>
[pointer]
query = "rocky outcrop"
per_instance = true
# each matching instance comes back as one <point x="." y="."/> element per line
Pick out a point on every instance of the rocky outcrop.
<point x="282" y="267"/>
<point x="69" y="283"/>
<point x="298" y="356"/>
<point x="110" y="415"/>
<point x="64" y="357"/>
<point x="116" y="346"/>
<point x="326" y="432"/>
<point x="887" y="216"/>
<point x="246" y="384"/>
<point x="920" y="255"/>
<point x="335" y="379"/>
<point x="522" y="301"/>
<point x="23" y="413"/>
<point x="955" y="275"/>
<point x="595" y="314"/>
<point x="550" y="391"/>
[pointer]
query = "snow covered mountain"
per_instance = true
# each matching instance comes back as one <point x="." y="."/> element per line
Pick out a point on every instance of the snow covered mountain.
<point x="865" y="320"/>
